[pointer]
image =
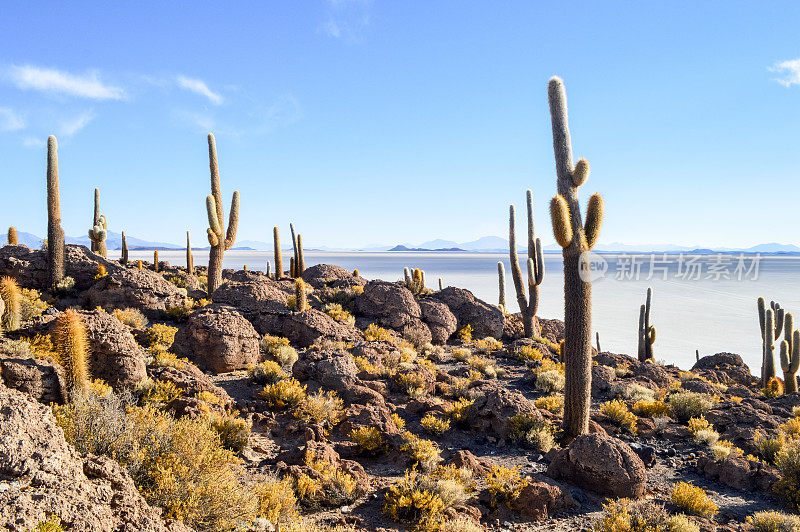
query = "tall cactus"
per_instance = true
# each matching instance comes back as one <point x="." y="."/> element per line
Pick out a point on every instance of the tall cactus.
<point x="501" y="279"/>
<point x="276" y="243"/>
<point x="769" y="332"/>
<point x="99" y="230"/>
<point x="72" y="345"/>
<point x="189" y="256"/>
<point x="11" y="317"/>
<point x="528" y="304"/>
<point x="299" y="261"/>
<point x="55" y="233"/>
<point x="790" y="362"/>
<point x="12" y="236"/>
<point x="216" y="219"/>
<point x="575" y="238"/>
<point x="647" y="332"/>
<point x="156" y="265"/>
<point x="124" y="259"/>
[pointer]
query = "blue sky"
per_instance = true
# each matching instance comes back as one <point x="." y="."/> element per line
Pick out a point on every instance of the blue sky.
<point x="371" y="122"/>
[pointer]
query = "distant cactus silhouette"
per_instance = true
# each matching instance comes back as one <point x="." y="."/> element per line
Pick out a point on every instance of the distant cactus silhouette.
<point x="12" y="299"/>
<point x="647" y="332"/>
<point x="72" y="345"/>
<point x="55" y="233"/>
<point x="12" y="236"/>
<point x="501" y="278"/>
<point x="216" y="219"/>
<point x="99" y="230"/>
<point x="356" y="273"/>
<point x="790" y="361"/>
<point x="300" y="295"/>
<point x="276" y="242"/>
<point x="597" y="336"/>
<point x="268" y="269"/>
<point x="189" y="256"/>
<point x="124" y="259"/>
<point x="528" y="304"/>
<point x="156" y="265"/>
<point x="300" y="261"/>
<point x="292" y="272"/>
<point x="575" y="238"/>
<point x="441" y="286"/>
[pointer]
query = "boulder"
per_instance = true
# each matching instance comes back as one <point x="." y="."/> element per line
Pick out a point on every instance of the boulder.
<point x="727" y="368"/>
<point x="466" y="459"/>
<point x="393" y="305"/>
<point x="540" y="500"/>
<point x="441" y="322"/>
<point x="553" y="330"/>
<point x="322" y="275"/>
<point x="40" y="378"/>
<point x="485" y="319"/>
<point x="492" y="410"/>
<point x="601" y="464"/>
<point x="29" y="267"/>
<point x="43" y="476"/>
<point x="337" y="371"/>
<point x="131" y="287"/>
<point x="218" y="338"/>
<point x="189" y="379"/>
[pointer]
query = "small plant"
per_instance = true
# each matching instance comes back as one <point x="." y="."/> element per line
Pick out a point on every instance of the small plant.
<point x="177" y="280"/>
<point x="435" y="425"/>
<point x="769" y="447"/>
<point x="160" y="335"/>
<point x="267" y="372"/>
<point x="488" y="345"/>
<point x="65" y="285"/>
<point x="692" y="500"/>
<point x="536" y="434"/>
<point x="374" y="333"/>
<point x="459" y="410"/>
<point x="335" y="311"/>
<point x="53" y="522"/>
<point x="552" y="403"/>
<point x="460" y="354"/>
<point x="465" y="334"/>
<point x="100" y="272"/>
<point x="276" y="500"/>
<point x="686" y="405"/>
<point x="771" y="521"/>
<point x="788" y="463"/>
<point x="408" y="501"/>
<point x="550" y="381"/>
<point x="158" y="392"/>
<point x="617" y="413"/>
<point x="324" y="408"/>
<point x="398" y="421"/>
<point x="368" y="439"/>
<point x="131" y="317"/>
<point x="334" y="487"/>
<point x="505" y="485"/>
<point x="234" y="432"/>
<point x="424" y="453"/>
<point x="527" y="353"/>
<point x="283" y="394"/>
<point x="654" y="408"/>
<point x="774" y="388"/>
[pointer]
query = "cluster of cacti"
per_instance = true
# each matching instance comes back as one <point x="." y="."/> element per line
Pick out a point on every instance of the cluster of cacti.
<point x="790" y="359"/>
<point x="99" y="230"/>
<point x="12" y="236"/>
<point x="297" y="264"/>
<point x="528" y="304"/>
<point x="414" y="280"/>
<point x="189" y="256"/>
<point x="124" y="258"/>
<point x="216" y="219"/>
<point x="72" y="346"/>
<point x="575" y="238"/>
<point x="501" y="278"/>
<point x="55" y="233"/>
<point x="301" y="300"/>
<point x="276" y="243"/>
<point x="772" y="321"/>
<point x="156" y="264"/>
<point x="11" y="316"/>
<point x="647" y="332"/>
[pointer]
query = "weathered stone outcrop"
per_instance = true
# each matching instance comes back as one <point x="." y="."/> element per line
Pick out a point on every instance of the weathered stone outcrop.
<point x="322" y="275"/>
<point x="485" y="319"/>
<point x="393" y="305"/>
<point x="189" y="379"/>
<point x="29" y="267"/>
<point x="130" y="287"/>
<point x="441" y="322"/>
<point x="540" y="500"/>
<point x="42" y="379"/>
<point x="727" y="368"/>
<point x="492" y="410"/>
<point x="337" y="371"/>
<point x="218" y="338"/>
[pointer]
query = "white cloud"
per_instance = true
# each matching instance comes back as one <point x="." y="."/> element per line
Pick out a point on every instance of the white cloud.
<point x="33" y="142"/>
<point x="56" y="81"/>
<point x="790" y="70"/>
<point x="346" y="19"/>
<point x="10" y="121"/>
<point x="70" y="127"/>
<point x="199" y="86"/>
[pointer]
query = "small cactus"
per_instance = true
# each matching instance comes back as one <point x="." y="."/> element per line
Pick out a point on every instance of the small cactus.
<point x="99" y="230"/>
<point x="407" y="276"/>
<point x="156" y="265"/>
<point x="189" y="256"/>
<point x="276" y="242"/>
<point x="790" y="361"/>
<point x="597" y="337"/>
<point x="299" y="261"/>
<point x="355" y="273"/>
<point x="12" y="236"/>
<point x="139" y="264"/>
<point x="219" y="243"/>
<point x="268" y="268"/>
<point x="55" y="233"/>
<point x="244" y="267"/>
<point x="528" y="303"/>
<point x="697" y="355"/>
<point x="647" y="332"/>
<point x="12" y="298"/>
<point x="441" y="285"/>
<point x="501" y="277"/>
<point x="124" y="259"/>
<point x="292" y="272"/>
<point x="300" y="295"/>
<point x="72" y="345"/>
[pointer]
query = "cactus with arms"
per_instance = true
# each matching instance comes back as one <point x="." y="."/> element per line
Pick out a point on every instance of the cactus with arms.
<point x="769" y="332"/>
<point x="55" y="233"/>
<point x="790" y="362"/>
<point x="528" y="304"/>
<point x="216" y="219"/>
<point x="647" y="332"/>
<point x="575" y="237"/>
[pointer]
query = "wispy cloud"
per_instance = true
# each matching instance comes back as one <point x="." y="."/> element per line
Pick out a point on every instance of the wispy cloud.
<point x="10" y="121"/>
<point x="789" y="70"/>
<point x="346" y="19"/>
<point x="59" y="82"/>
<point x="70" y="127"/>
<point x="33" y="142"/>
<point x="199" y="86"/>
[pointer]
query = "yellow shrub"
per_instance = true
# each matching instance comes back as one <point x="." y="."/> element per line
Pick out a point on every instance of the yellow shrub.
<point x="645" y="408"/>
<point x="769" y="446"/>
<point x="617" y="413"/>
<point x="692" y="500"/>
<point x="162" y="357"/>
<point x="161" y="335"/>
<point x="410" y="502"/>
<point x="424" y="453"/>
<point x="234" y="432"/>
<point x="547" y="364"/>
<point x="527" y="352"/>
<point x="52" y="524"/>
<point x="696" y="424"/>
<point x="435" y="425"/>
<point x="365" y="365"/>
<point x="788" y="463"/>
<point x="488" y="345"/>
<point x="160" y="392"/>
<point x="550" y="381"/>
<point x="791" y="427"/>
<point x="131" y="317"/>
<point x="208" y="397"/>
<point x="527" y="430"/>
<point x="276" y="500"/>
<point x="552" y="403"/>
<point x="686" y="405"/>
<point x="774" y="522"/>
<point x="324" y="408"/>
<point x="466" y="333"/>
<point x="398" y="421"/>
<point x="368" y="439"/>
<point x="283" y="394"/>
<point x="411" y="381"/>
<point x="335" y="311"/>
<point x="459" y="386"/>
<point x="374" y="333"/>
<point x="334" y="486"/>
<point x="458" y="410"/>
<point x="460" y="354"/>
<point x="41" y="346"/>
<point x="267" y="372"/>
<point x="505" y="484"/>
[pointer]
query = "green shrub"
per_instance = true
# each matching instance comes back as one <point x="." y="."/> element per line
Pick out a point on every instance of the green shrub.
<point x="686" y="405"/>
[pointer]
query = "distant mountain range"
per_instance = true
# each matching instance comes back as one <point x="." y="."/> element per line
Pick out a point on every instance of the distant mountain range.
<point x="486" y="244"/>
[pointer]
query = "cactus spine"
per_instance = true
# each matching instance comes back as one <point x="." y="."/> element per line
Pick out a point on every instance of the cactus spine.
<point x="124" y="259"/>
<point x="790" y="361"/>
<point x="647" y="332"/>
<point x="216" y="219"/>
<point x="571" y="234"/>
<point x="189" y="256"/>
<point x="276" y="241"/>
<point x="12" y="315"/>
<point x="99" y="230"/>
<point x="12" y="236"/>
<point x="501" y="278"/>
<point x="300" y="295"/>
<point x="299" y="261"/>
<point x="528" y="304"/>
<point x="155" y="261"/>
<point x="55" y="233"/>
<point x="72" y="345"/>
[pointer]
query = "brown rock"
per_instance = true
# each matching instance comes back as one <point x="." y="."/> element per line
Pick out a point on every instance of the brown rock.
<point x="392" y="305"/>
<point x="540" y="500"/>
<point x="470" y="461"/>
<point x="130" y="287"/>
<point x="601" y="464"/>
<point x="29" y="267"/>
<point x="189" y="379"/>
<point x="322" y="275"/>
<point x="491" y="411"/>
<point x="727" y="368"/>
<point x="115" y="357"/>
<point x="441" y="322"/>
<point x="485" y="319"/>
<point x="42" y="378"/>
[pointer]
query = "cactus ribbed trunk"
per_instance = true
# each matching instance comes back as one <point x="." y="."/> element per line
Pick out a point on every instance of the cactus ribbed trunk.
<point x="189" y="256"/>
<point x="55" y="234"/>
<point x="72" y="345"/>
<point x="124" y="259"/>
<point x="293" y="269"/>
<point x="219" y="243"/>
<point x="276" y="241"/>
<point x="769" y="347"/>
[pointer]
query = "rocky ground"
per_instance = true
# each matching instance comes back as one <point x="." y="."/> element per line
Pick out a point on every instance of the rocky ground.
<point x="394" y="358"/>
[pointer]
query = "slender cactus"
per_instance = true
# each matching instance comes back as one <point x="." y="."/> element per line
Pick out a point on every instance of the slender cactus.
<point x="11" y="317"/>
<point x="95" y="217"/>
<point x="697" y="355"/>
<point x="775" y="328"/>
<point x="501" y="279"/>
<point x="768" y="370"/>
<point x="99" y="230"/>
<point x="156" y="265"/>
<point x="268" y="266"/>
<point x="647" y="332"/>
<point x="12" y="236"/>
<point x="790" y="362"/>
<point x="300" y="261"/>
<point x="216" y="219"/>
<point x="124" y="259"/>
<point x="292" y="268"/>
<point x="189" y="256"/>
<point x="293" y="272"/>
<point x="72" y="345"/>
<point x="276" y="241"/>
<point x="528" y="304"/>
<point x="575" y="238"/>
<point x="55" y="233"/>
<point x="300" y="295"/>
<point x="441" y="286"/>
<point x="597" y="337"/>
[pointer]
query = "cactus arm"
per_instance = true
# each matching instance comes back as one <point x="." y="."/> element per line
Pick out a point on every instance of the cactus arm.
<point x="769" y="348"/>
<point x="213" y="239"/>
<point x="559" y="215"/>
<point x="539" y="264"/>
<point x="581" y="172"/>
<point x="294" y="240"/>
<point x="216" y="188"/>
<point x="640" y="335"/>
<point x="761" y="315"/>
<point x="531" y="228"/>
<point x="533" y="286"/>
<point x="784" y="356"/>
<point x="516" y="272"/>
<point x="213" y="221"/>
<point x="594" y="219"/>
<point x="300" y="262"/>
<point x="233" y="221"/>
